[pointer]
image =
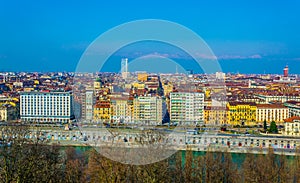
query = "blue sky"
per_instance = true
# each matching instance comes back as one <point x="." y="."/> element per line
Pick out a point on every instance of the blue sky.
<point x="247" y="36"/>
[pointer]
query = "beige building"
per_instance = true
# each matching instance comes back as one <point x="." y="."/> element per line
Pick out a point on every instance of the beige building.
<point x="147" y="110"/>
<point x="187" y="108"/>
<point x="292" y="126"/>
<point x="271" y="112"/>
<point x="121" y="110"/>
<point x="8" y="112"/>
<point x="279" y="97"/>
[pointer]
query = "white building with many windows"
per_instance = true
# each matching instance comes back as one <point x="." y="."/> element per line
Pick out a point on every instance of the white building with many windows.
<point x="271" y="112"/>
<point x="187" y="108"/>
<point x="268" y="98"/>
<point x="294" y="108"/>
<point x="292" y="126"/>
<point x="46" y="107"/>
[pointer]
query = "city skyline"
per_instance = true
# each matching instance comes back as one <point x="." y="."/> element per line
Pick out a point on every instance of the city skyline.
<point x="150" y="91"/>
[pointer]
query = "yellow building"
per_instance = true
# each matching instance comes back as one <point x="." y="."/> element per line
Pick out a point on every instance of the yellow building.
<point x="142" y="77"/>
<point x="97" y="85"/>
<point x="102" y="111"/>
<point x="26" y="89"/>
<point x="242" y="113"/>
<point x="168" y="88"/>
<point x="215" y="115"/>
<point x="121" y="109"/>
<point x="36" y="82"/>
<point x="138" y="85"/>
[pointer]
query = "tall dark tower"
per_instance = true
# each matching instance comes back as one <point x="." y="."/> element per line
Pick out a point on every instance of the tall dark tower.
<point x="286" y="71"/>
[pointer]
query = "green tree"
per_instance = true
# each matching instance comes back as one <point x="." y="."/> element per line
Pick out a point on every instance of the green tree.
<point x="265" y="125"/>
<point x="273" y="127"/>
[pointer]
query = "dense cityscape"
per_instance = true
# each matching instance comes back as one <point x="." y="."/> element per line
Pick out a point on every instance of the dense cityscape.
<point x="149" y="91"/>
<point x="213" y="113"/>
<point x="153" y="99"/>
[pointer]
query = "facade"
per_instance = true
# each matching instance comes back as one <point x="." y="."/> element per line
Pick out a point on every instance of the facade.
<point x="220" y="76"/>
<point x="8" y="112"/>
<point x="241" y="113"/>
<point x="97" y="85"/>
<point x="124" y="68"/>
<point x="271" y="112"/>
<point x="286" y="71"/>
<point x="147" y="110"/>
<point x="294" y="108"/>
<point x="168" y="88"/>
<point x="187" y="108"/>
<point x="87" y="105"/>
<point x="215" y="115"/>
<point x="142" y="77"/>
<point x="46" y="107"/>
<point x="102" y="111"/>
<point x="292" y="126"/>
<point x="121" y="110"/>
<point x="279" y="98"/>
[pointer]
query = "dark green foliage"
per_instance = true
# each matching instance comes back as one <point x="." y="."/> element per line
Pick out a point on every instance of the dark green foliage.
<point x="273" y="127"/>
<point x="265" y="125"/>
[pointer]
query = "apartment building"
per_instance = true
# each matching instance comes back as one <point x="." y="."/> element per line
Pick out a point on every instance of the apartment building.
<point x="102" y="111"/>
<point x="242" y="113"/>
<point x="46" y="107"/>
<point x="294" y="108"/>
<point x="292" y="126"/>
<point x="148" y="110"/>
<point x="215" y="115"/>
<point x="121" y="109"/>
<point x="271" y="112"/>
<point x="187" y="108"/>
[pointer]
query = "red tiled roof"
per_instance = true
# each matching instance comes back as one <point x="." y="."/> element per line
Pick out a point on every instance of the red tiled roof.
<point x="242" y="103"/>
<point x="291" y="119"/>
<point x="270" y="106"/>
<point x="293" y="102"/>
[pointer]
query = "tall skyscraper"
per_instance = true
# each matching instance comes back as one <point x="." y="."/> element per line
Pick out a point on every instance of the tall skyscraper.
<point x="220" y="76"/>
<point x="124" y="68"/>
<point x="46" y="107"/>
<point x="187" y="108"/>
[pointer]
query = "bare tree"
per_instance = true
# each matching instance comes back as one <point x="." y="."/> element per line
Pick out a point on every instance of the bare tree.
<point x="24" y="160"/>
<point x="75" y="165"/>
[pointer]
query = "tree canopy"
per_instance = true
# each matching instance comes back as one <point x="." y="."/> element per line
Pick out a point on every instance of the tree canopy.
<point x="273" y="127"/>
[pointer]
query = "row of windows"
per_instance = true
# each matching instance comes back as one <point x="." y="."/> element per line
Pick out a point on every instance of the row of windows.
<point x="26" y="98"/>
